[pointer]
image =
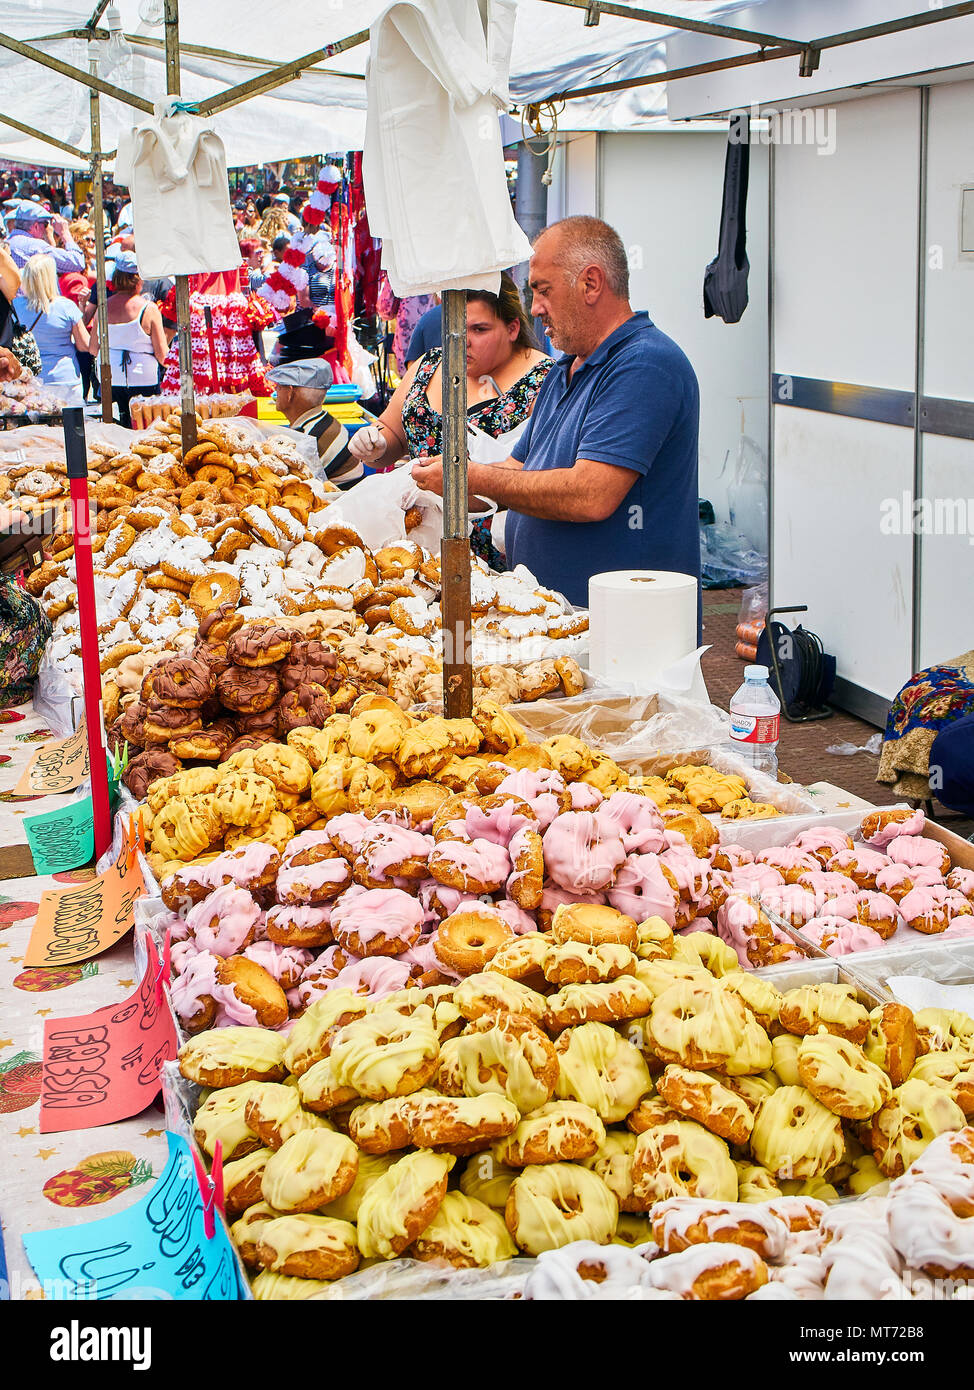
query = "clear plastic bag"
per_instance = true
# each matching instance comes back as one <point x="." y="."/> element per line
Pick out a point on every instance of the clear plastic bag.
<point x="747" y="494"/>
<point x="727" y="558"/>
<point x="846" y="750"/>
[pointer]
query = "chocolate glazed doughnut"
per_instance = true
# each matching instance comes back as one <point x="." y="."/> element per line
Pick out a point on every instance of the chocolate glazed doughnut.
<point x="165" y="722"/>
<point x="255" y="646"/>
<point x="214" y="654"/>
<point x="265" y="722"/>
<point x="307" y="705"/>
<point x="247" y="691"/>
<point x="131" y="725"/>
<point x="182" y="681"/>
<point x="221" y="624"/>
<point x="146" y="767"/>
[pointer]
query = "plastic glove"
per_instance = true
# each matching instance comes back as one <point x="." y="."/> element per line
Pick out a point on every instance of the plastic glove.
<point x="367" y="444"/>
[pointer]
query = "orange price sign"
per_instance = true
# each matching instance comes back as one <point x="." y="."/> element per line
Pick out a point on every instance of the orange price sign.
<point x="74" y="924"/>
<point x="57" y="767"/>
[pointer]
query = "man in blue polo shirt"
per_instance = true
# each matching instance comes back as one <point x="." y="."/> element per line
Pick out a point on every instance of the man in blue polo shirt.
<point x="605" y="475"/>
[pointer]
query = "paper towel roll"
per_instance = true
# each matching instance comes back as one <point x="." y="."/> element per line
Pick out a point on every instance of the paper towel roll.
<point x="640" y="621"/>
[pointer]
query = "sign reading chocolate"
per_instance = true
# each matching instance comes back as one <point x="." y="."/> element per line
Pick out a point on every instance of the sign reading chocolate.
<point x="74" y="924"/>
<point x="102" y="1067"/>
<point x="57" y="767"/>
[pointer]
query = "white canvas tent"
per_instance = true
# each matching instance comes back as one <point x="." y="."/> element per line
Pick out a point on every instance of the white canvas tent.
<point x="323" y="108"/>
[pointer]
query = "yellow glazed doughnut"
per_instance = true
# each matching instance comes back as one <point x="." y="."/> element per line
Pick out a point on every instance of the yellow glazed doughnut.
<point x="503" y="1054"/>
<point x="308" y="1247"/>
<point x="703" y="1098"/>
<point x="602" y="1070"/>
<point x="700" y="1025"/>
<point x="309" y="1170"/>
<point x="610" y="1002"/>
<point x="561" y="1131"/>
<point x="892" y="1041"/>
<point x="383" y="1126"/>
<point x="229" y="1056"/>
<point x="491" y="992"/>
<point x="274" y="1112"/>
<point x="245" y="1233"/>
<point x="221" y="1117"/>
<point x="840" y="1077"/>
<point x="553" y="1204"/>
<point x="483" y="1177"/>
<point x="401" y="1203"/>
<point x="465" y="1233"/>
<point x="795" y="1135"/>
<point x="912" y="1117"/>
<point x="834" y="1007"/>
<point x="462" y="1124"/>
<point x="241" y="1181"/>
<point x="370" y="1168"/>
<point x="310" y="1039"/>
<point x="385" y="1054"/>
<point x="681" y="1159"/>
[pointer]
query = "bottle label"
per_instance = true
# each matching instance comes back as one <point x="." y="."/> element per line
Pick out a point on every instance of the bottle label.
<point x="754" y="728"/>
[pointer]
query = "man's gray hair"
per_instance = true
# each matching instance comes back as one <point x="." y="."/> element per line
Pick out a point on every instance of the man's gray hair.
<point x="590" y="241"/>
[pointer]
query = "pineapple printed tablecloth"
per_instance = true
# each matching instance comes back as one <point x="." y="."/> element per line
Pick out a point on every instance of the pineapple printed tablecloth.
<point x="52" y="1180"/>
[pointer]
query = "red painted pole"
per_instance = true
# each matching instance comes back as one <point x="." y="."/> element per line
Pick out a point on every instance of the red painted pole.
<point x="77" y="465"/>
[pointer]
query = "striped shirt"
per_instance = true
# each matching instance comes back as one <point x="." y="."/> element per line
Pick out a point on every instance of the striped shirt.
<point x="340" y="467"/>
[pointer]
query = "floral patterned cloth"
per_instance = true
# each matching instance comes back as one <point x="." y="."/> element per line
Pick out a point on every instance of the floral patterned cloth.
<point x="423" y="427"/>
<point x="930" y="700"/>
<point x="24" y="630"/>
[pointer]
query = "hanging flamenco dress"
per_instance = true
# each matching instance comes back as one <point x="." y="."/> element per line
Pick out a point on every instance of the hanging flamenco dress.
<point x="229" y="363"/>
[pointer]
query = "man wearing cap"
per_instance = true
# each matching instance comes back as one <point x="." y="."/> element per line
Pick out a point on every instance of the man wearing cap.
<point x="281" y="200"/>
<point x="37" y="231"/>
<point x="300" y="395"/>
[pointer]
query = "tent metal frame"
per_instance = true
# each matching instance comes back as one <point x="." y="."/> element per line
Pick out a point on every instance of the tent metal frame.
<point x="455" y="552"/>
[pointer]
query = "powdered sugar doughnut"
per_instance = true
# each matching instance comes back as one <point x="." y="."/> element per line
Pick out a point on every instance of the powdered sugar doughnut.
<point x="377" y="921"/>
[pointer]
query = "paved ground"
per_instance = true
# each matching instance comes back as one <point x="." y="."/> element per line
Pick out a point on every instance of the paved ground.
<point x="802" y="749"/>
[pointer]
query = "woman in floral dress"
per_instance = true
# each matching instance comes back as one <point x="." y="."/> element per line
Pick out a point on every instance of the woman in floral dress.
<point x="505" y="370"/>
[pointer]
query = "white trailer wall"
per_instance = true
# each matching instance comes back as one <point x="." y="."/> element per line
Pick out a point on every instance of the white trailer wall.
<point x="870" y="290"/>
<point x="662" y="192"/>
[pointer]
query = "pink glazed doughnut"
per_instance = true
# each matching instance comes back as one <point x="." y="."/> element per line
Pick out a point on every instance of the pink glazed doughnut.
<point x="376" y="921"/>
<point x="644" y="888"/>
<point x="545" y="793"/>
<point x="636" y="819"/>
<point x="478" y="867"/>
<point x="916" y="852"/>
<point x="578" y="853"/>
<point x="226" y="921"/>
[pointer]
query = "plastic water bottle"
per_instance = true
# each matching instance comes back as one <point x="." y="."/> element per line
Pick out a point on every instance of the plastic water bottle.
<point x="755" y="713"/>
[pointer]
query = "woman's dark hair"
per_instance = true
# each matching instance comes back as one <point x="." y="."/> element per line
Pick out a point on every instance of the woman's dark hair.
<point x="125" y="280"/>
<point x="509" y="308"/>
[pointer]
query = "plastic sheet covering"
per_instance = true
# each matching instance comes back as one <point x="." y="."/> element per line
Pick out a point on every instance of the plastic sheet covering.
<point x="430" y="1279"/>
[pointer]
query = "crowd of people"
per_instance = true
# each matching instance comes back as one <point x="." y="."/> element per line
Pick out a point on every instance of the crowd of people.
<point x="580" y="458"/>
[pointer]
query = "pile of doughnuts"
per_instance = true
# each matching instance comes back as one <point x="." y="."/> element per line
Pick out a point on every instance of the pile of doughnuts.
<point x="705" y="789"/>
<point x="568" y="1090"/>
<point x="850" y="895"/>
<point x="29" y="396"/>
<point x="912" y="1242"/>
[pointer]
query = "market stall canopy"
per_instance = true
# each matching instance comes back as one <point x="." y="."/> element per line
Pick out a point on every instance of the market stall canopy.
<point x="323" y="108"/>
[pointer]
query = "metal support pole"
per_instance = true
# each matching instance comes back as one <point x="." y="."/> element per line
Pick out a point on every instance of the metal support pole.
<point x="187" y="399"/>
<point x="455" y="548"/>
<point x="97" y="202"/>
<point x="531" y="205"/>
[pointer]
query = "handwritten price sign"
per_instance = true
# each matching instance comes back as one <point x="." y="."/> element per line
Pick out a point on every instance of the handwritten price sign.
<point x="62" y="839"/>
<point x="102" y="1067"/>
<point x="155" y="1249"/>
<point x="57" y="767"/>
<point x="74" y="924"/>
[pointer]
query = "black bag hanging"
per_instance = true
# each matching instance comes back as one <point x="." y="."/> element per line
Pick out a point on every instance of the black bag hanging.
<point x="725" y="279"/>
<point x="6" y="321"/>
<point x="23" y="344"/>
